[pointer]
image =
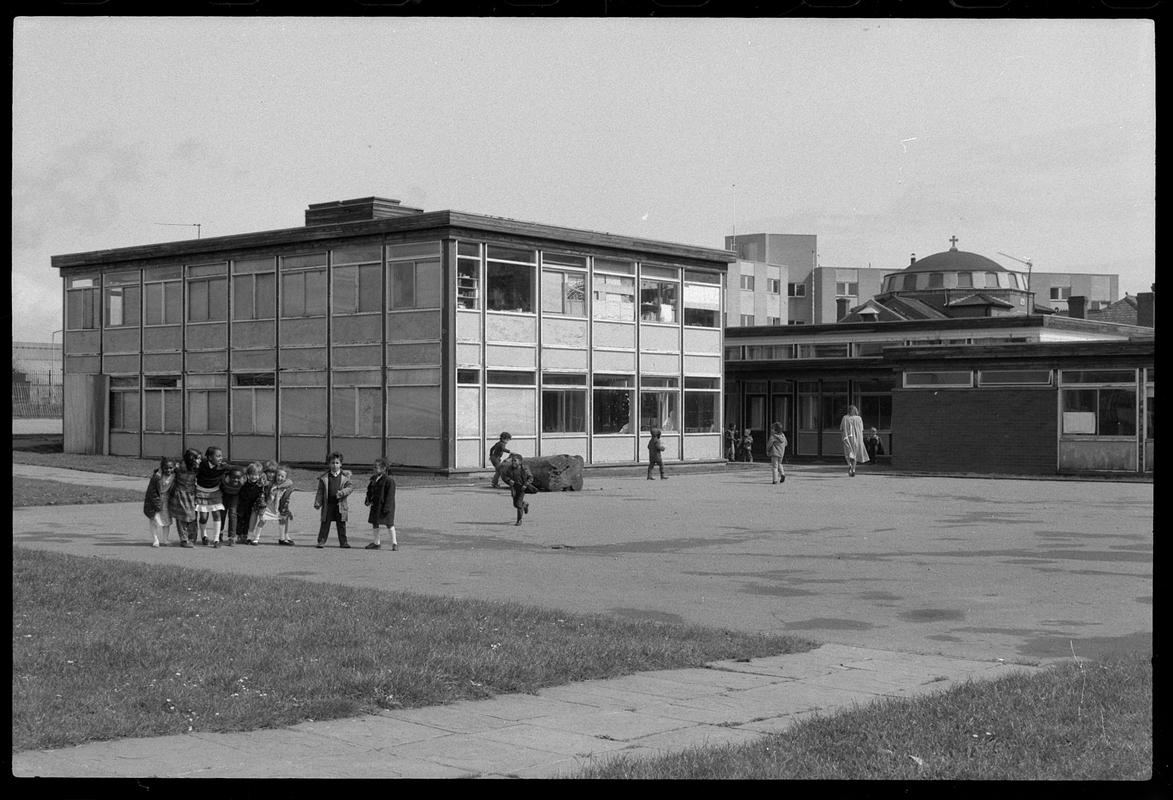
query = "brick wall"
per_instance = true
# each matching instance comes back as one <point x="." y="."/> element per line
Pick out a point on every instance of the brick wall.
<point x="999" y="431"/>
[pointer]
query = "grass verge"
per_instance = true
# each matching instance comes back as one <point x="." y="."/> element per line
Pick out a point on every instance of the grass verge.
<point x="106" y="650"/>
<point x="1074" y="721"/>
<point x="36" y="492"/>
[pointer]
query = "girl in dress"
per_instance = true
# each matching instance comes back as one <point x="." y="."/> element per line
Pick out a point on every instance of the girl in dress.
<point x="182" y="500"/>
<point x="209" y="501"/>
<point x="157" y="497"/>
<point x="275" y="509"/>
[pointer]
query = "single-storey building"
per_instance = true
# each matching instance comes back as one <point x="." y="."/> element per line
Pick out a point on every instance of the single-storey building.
<point x="385" y="331"/>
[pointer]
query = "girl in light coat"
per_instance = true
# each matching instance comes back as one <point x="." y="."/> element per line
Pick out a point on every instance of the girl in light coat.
<point x="851" y="428"/>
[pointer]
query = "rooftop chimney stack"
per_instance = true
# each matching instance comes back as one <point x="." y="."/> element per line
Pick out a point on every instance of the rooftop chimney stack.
<point x="1144" y="310"/>
<point x="1077" y="306"/>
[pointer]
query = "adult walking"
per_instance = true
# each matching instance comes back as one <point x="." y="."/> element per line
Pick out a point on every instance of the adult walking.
<point x="851" y="428"/>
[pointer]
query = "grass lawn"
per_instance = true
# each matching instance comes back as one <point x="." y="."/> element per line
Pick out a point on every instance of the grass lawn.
<point x="1076" y="721"/>
<point x="106" y="649"/>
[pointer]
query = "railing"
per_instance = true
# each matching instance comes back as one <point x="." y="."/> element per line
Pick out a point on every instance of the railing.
<point x="31" y="400"/>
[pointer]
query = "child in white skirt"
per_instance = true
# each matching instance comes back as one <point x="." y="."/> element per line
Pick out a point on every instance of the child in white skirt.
<point x="276" y="508"/>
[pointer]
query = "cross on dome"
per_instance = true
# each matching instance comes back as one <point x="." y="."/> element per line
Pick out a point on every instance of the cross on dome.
<point x="953" y="241"/>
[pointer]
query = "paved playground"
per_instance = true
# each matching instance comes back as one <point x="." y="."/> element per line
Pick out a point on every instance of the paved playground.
<point x="965" y="574"/>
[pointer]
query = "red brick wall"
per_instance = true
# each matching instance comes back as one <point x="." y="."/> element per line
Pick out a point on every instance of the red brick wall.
<point x="999" y="431"/>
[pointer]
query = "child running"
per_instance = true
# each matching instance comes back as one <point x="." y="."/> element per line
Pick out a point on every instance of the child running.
<point x="156" y="500"/>
<point x="521" y="483"/>
<point x="209" y="501"/>
<point x="182" y="500"/>
<point x="381" y="499"/>
<point x="496" y="454"/>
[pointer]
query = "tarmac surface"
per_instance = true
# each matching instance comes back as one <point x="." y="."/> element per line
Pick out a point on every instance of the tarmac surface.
<point x="912" y="582"/>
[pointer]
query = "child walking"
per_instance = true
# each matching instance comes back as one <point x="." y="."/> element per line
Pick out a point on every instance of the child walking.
<point x="156" y="500"/>
<point x="182" y="500"/>
<point x="209" y="501"/>
<point x="656" y="454"/>
<point x="496" y="453"/>
<point x="275" y="508"/>
<point x="334" y="487"/>
<point x="776" y="449"/>
<point x="249" y="499"/>
<point x="521" y="483"/>
<point x="381" y="499"/>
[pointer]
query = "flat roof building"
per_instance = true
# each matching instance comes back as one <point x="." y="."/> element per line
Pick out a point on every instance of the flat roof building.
<point x="386" y="331"/>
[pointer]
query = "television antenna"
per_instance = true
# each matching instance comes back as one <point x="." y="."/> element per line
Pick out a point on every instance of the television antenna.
<point x="1027" y="261"/>
<point x="195" y="225"/>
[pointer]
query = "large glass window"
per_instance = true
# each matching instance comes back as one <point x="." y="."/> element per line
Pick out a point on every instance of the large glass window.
<point x="614" y="397"/>
<point x="510" y="274"/>
<point x="702" y="299"/>
<point x="82" y="304"/>
<point x="254" y="289"/>
<point x="357" y="272"/>
<point x="563" y="403"/>
<point x="1099" y="412"/>
<point x="614" y="290"/>
<point x="303" y="403"/>
<point x="123" y="300"/>
<point x="702" y="398"/>
<point x="808" y="405"/>
<point x="415" y="275"/>
<point x="303" y="286"/>
<point x="937" y="379"/>
<point x="207" y="293"/>
<point x="875" y="408"/>
<point x="162" y="404"/>
<point x="254" y="404"/>
<point x="207" y="404"/>
<point x="163" y="293"/>
<point x="124" y="404"/>
<point x="834" y="403"/>
<point x="468" y="275"/>
<point x="563" y="292"/>
<point x="659" y="299"/>
<point x="659" y="403"/>
<point x="357" y="411"/>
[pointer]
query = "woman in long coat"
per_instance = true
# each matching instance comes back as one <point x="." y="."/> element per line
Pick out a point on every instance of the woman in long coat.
<point x="851" y="428"/>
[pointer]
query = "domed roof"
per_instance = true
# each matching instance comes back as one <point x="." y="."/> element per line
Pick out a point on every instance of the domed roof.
<point x="954" y="260"/>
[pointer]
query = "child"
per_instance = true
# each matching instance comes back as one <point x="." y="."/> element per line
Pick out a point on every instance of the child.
<point x="230" y="492"/>
<point x="156" y="499"/>
<point x="275" y="508"/>
<point x="732" y="442"/>
<point x="776" y="449"/>
<point x="381" y="499"/>
<point x="747" y="445"/>
<point x="656" y="454"/>
<point x="496" y="452"/>
<point x="333" y="488"/>
<point x="209" y="501"/>
<point x="182" y="500"/>
<point x="250" y="498"/>
<point x="520" y="481"/>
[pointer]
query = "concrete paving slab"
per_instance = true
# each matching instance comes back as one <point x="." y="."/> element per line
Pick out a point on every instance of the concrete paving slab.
<point x="618" y="725"/>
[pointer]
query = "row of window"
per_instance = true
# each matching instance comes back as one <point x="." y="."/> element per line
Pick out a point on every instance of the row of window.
<point x="156" y="296"/>
<point x="359" y="283"/>
<point x="157" y="406"/>
<point x="874" y="349"/>
<point x="913" y="281"/>
<point x="511" y="280"/>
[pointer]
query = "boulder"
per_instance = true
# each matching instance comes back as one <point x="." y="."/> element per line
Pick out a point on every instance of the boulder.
<point x="559" y="473"/>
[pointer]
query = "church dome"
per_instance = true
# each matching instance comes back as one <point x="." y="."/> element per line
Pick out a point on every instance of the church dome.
<point x="954" y="260"/>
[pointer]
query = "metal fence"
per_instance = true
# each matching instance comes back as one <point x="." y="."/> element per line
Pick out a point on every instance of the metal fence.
<point x="36" y="397"/>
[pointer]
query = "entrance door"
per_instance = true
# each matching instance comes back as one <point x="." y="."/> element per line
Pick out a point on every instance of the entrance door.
<point x="755" y="420"/>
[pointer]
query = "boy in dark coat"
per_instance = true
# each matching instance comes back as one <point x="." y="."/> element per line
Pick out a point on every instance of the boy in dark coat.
<point x="496" y="453"/>
<point x="521" y="482"/>
<point x="381" y="500"/>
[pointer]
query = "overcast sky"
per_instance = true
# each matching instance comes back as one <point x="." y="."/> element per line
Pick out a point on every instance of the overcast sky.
<point x="882" y="137"/>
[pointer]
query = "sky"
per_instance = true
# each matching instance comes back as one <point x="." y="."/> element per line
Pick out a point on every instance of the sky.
<point x="883" y="137"/>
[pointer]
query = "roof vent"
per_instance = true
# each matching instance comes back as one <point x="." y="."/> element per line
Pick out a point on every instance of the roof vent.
<point x="360" y="209"/>
<point x="912" y="260"/>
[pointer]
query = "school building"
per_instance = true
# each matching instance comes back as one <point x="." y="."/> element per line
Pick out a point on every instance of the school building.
<point x="382" y="330"/>
<point x="955" y="370"/>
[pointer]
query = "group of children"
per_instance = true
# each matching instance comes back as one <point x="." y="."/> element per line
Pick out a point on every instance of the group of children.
<point x="211" y="501"/>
